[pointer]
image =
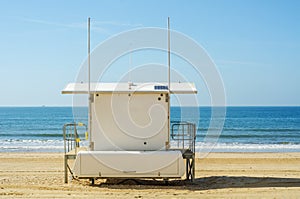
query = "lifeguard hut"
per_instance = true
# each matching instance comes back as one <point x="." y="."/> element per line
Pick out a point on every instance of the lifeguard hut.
<point x="130" y="133"/>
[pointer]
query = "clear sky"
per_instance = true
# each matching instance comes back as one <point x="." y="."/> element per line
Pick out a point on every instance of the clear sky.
<point x="255" y="44"/>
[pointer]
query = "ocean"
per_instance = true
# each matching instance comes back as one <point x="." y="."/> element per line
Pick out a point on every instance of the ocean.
<point x="246" y="129"/>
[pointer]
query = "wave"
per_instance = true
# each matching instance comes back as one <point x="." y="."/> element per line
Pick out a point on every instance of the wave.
<point x="36" y="135"/>
<point x="201" y="147"/>
<point x="33" y="145"/>
<point x="251" y="129"/>
<point x="31" y="135"/>
<point x="247" y="136"/>
<point x="22" y="128"/>
<point x="240" y="147"/>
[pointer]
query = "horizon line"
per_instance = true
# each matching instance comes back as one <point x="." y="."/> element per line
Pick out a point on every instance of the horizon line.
<point x="62" y="106"/>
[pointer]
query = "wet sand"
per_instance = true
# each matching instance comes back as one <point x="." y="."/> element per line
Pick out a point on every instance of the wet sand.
<point x="218" y="175"/>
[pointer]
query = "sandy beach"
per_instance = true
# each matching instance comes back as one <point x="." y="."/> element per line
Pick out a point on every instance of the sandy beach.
<point x="219" y="175"/>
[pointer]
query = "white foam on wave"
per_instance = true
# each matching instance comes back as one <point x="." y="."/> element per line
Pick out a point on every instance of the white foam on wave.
<point x="33" y="145"/>
<point x="18" y="145"/>
<point x="241" y="147"/>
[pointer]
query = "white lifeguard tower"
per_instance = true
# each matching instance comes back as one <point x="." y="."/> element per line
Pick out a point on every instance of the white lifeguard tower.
<point x="130" y="133"/>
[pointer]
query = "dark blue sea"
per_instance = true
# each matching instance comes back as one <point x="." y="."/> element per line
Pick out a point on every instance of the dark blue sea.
<point x="246" y="129"/>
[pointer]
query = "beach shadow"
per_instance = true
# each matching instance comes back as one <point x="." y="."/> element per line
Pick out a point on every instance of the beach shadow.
<point x="220" y="182"/>
<point x="206" y="183"/>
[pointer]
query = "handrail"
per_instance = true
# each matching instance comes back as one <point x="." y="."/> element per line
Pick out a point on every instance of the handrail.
<point x="185" y="134"/>
<point x="71" y="136"/>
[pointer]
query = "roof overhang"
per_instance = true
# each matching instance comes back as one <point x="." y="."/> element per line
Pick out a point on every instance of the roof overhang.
<point x="175" y="88"/>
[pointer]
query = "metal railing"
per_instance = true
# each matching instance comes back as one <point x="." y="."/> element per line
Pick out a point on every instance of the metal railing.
<point x="184" y="133"/>
<point x="71" y="136"/>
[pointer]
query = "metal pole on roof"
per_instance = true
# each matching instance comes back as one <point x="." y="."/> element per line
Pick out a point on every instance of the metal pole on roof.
<point x="169" y="82"/>
<point x="169" y="56"/>
<point x="89" y="86"/>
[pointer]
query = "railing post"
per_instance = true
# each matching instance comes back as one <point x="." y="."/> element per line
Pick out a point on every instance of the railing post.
<point x="66" y="168"/>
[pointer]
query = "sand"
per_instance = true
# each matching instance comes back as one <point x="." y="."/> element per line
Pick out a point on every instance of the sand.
<point x="219" y="175"/>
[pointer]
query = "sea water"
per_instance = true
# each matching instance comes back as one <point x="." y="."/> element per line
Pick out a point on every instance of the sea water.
<point x="246" y="129"/>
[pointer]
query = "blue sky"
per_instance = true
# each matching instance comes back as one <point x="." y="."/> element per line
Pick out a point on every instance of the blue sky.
<point x="255" y="44"/>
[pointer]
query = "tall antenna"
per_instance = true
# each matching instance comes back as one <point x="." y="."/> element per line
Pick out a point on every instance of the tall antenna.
<point x="169" y="83"/>
<point x="89" y="85"/>
<point x="130" y="63"/>
<point x="169" y="56"/>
